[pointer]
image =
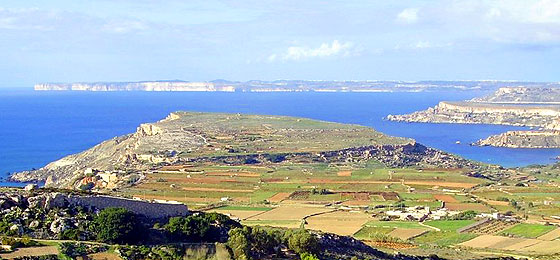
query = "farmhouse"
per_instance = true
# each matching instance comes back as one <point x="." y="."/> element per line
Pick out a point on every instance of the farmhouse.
<point x="410" y="213"/>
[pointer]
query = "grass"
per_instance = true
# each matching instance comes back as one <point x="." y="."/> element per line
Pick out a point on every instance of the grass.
<point x="415" y="196"/>
<point x="527" y="230"/>
<point x="444" y="238"/>
<point x="394" y="224"/>
<point x="245" y="208"/>
<point x="367" y="233"/>
<point x="449" y="225"/>
<point x="262" y="195"/>
<point x="271" y="222"/>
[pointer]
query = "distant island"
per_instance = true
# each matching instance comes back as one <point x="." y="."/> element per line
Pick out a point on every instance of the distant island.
<point x="288" y="86"/>
<point x="537" y="108"/>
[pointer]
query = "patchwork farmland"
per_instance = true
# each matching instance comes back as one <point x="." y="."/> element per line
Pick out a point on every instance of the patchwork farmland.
<point x="426" y="206"/>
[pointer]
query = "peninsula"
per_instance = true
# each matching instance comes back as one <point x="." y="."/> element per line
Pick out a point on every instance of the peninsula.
<point x="537" y="108"/>
<point x="231" y="139"/>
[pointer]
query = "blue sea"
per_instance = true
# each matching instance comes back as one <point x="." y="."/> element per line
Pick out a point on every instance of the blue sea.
<point x="39" y="127"/>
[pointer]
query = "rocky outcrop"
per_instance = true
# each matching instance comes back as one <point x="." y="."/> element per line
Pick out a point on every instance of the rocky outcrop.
<point x="150" y="144"/>
<point x="390" y="155"/>
<point x="93" y="202"/>
<point x="523" y="139"/>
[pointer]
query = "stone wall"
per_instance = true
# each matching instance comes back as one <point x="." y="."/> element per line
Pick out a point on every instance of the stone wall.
<point x="144" y="208"/>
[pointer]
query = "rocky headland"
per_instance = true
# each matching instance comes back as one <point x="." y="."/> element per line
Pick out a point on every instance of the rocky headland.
<point x="537" y="108"/>
<point x="231" y="139"/>
<point x="523" y="139"/>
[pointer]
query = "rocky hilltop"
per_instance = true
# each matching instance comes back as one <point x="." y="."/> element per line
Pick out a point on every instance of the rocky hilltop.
<point x="516" y="106"/>
<point x="231" y="139"/>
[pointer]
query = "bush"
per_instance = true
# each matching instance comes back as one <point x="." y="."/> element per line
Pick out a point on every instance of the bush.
<point x="151" y="253"/>
<point x="116" y="225"/>
<point x="308" y="256"/>
<point x="465" y="215"/>
<point x="207" y="227"/>
<point x="238" y="242"/>
<point x="301" y="241"/>
<point x="19" y="242"/>
<point x="73" y="250"/>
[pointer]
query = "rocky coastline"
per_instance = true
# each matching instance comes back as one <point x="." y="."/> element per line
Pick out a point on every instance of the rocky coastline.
<point x="537" y="108"/>
<point x="523" y="139"/>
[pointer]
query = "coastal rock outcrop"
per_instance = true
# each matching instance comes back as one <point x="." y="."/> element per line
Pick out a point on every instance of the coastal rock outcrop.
<point x="464" y="112"/>
<point x="523" y="139"/>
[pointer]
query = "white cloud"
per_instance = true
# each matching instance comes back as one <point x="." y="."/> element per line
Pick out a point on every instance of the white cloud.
<point x="124" y="26"/>
<point x="422" y="45"/>
<point x="297" y="53"/>
<point x="19" y="19"/>
<point x="409" y="16"/>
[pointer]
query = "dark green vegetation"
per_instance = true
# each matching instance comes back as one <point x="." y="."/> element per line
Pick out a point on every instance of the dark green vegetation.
<point x="207" y="227"/>
<point x="257" y="242"/>
<point x="116" y="225"/>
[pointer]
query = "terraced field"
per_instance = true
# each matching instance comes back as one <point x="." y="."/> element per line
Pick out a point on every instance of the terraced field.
<point x="490" y="226"/>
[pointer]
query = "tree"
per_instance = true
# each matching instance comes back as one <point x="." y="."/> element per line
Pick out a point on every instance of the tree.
<point x="301" y="241"/>
<point x="188" y="228"/>
<point x="209" y="227"/>
<point x="239" y="243"/>
<point x="116" y="225"/>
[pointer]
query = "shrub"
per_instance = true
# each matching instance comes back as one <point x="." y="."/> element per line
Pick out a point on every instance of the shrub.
<point x="116" y="225"/>
<point x="301" y="241"/>
<point x="308" y="256"/>
<point x="208" y="227"/>
<point x="465" y="215"/>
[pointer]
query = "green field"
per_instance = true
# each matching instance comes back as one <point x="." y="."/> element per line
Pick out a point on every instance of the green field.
<point x="231" y="207"/>
<point x="394" y="224"/>
<point x="528" y="230"/>
<point x="367" y="233"/>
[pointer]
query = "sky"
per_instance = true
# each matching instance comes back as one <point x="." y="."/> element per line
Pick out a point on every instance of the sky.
<point x="133" y="40"/>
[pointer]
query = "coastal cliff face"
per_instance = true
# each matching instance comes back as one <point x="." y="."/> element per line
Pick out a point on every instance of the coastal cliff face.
<point x="231" y="139"/>
<point x="523" y="139"/>
<point x="515" y="106"/>
<point x="484" y="113"/>
<point x="135" y="86"/>
<point x="285" y="86"/>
